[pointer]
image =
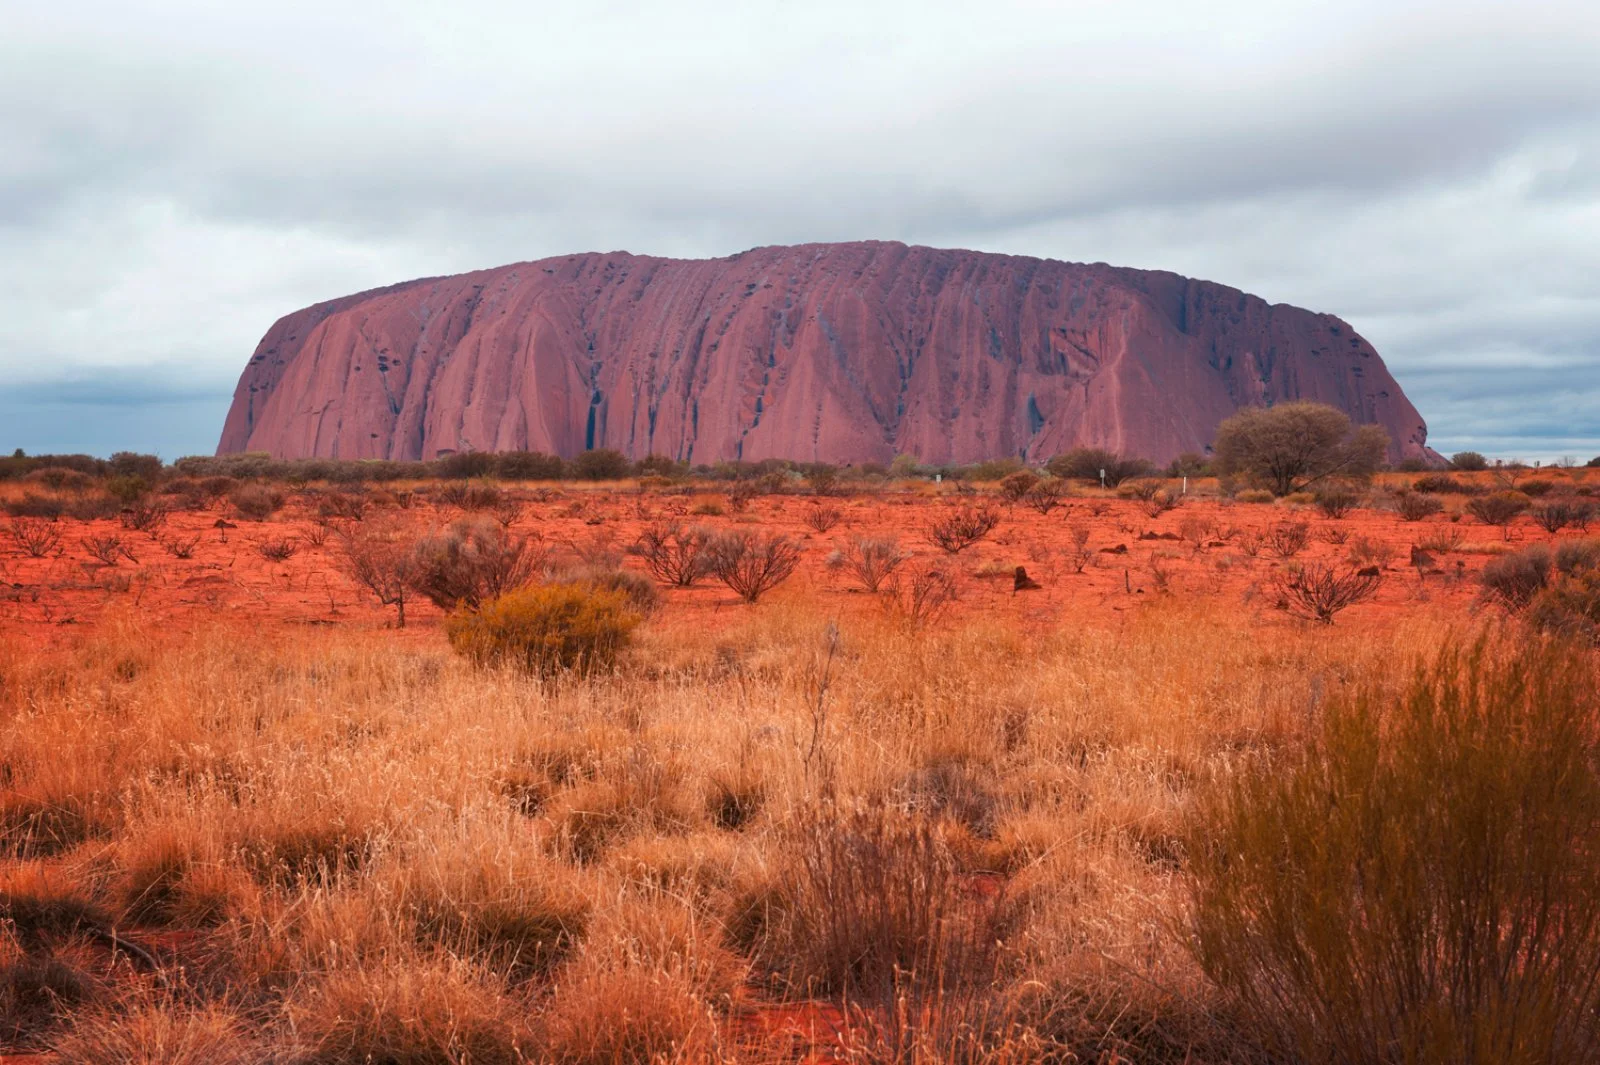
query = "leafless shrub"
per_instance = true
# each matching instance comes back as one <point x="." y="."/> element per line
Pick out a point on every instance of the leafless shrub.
<point x="1442" y="539"/>
<point x="752" y="564"/>
<point x="1318" y="592"/>
<point x="919" y="596"/>
<point x="1251" y="541"/>
<point x="472" y="561"/>
<point x="508" y="512"/>
<point x="181" y="546"/>
<point x="1046" y="495"/>
<point x="1079" y="555"/>
<point x="673" y="554"/>
<point x="822" y="516"/>
<point x="278" y="550"/>
<point x="873" y="559"/>
<point x="36" y="537"/>
<point x="145" y="515"/>
<point x="1288" y="538"/>
<point x="315" y="534"/>
<point x="962" y="528"/>
<point x="108" y="549"/>
<point x="1197" y="530"/>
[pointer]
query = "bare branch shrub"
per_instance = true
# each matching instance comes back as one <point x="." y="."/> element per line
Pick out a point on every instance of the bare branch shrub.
<point x="873" y="559"/>
<point x="1318" y="592"/>
<point x="919" y="596"/>
<point x="822" y="516"/>
<point x="278" y="550"/>
<point x="673" y="554"/>
<point x="256" y="502"/>
<point x="1014" y="487"/>
<point x="1335" y="501"/>
<point x="1554" y="516"/>
<point x="36" y="537"/>
<point x="1288" y="538"/>
<point x="379" y="558"/>
<point x="1046" y="495"/>
<point x="181" y="546"/>
<point x="961" y="528"/>
<point x="108" y="549"/>
<point x="1079" y="555"/>
<point x="752" y="564"/>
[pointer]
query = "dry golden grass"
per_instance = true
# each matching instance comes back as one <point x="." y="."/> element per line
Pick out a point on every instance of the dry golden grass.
<point x="352" y="848"/>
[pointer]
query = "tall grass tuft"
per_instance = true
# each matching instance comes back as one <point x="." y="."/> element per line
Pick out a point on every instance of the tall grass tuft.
<point x="1416" y="885"/>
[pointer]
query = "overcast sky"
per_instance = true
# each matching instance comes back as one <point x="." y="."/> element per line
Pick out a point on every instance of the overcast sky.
<point x="174" y="176"/>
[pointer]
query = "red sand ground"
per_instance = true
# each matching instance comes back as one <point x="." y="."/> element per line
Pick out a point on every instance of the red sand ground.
<point x="54" y="599"/>
<point x="230" y="580"/>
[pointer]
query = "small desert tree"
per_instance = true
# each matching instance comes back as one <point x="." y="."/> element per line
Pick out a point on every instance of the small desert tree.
<point x="378" y="557"/>
<point x="1295" y="445"/>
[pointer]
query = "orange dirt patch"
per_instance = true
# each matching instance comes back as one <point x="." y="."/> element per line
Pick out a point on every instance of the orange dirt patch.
<point x="1197" y="549"/>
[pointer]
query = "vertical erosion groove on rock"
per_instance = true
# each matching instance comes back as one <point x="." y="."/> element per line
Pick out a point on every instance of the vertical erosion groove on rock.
<point x="828" y="352"/>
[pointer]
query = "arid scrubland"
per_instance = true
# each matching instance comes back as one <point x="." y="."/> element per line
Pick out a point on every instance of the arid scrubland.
<point x="959" y="843"/>
<point x="682" y="773"/>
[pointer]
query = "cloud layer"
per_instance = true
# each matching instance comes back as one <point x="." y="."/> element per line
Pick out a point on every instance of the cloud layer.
<point x="174" y="176"/>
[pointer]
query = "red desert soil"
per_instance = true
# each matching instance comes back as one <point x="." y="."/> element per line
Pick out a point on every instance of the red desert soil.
<point x="1133" y="557"/>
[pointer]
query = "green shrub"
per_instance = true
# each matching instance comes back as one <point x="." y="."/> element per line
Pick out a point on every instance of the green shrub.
<point x="1414" y="506"/>
<point x="1013" y="486"/>
<point x="1468" y="460"/>
<point x="603" y="464"/>
<point x="1416" y="885"/>
<point x="545" y="629"/>
<point x="1501" y="508"/>
<point x="1085" y="464"/>
<point x="1513" y="580"/>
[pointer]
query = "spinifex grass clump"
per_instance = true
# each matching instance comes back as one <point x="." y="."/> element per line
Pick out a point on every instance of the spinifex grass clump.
<point x="1417" y="884"/>
<point x="545" y="629"/>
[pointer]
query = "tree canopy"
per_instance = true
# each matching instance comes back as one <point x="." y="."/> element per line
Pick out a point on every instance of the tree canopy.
<point x="1295" y="445"/>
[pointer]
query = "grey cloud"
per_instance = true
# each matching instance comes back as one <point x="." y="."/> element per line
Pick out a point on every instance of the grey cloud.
<point x="174" y="176"/>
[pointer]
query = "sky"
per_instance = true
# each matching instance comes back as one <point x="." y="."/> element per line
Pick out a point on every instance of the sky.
<point x="175" y="176"/>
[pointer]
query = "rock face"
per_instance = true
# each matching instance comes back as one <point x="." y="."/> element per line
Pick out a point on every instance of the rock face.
<point x="828" y="352"/>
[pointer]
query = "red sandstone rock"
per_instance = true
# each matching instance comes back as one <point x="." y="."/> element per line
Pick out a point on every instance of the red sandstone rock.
<point x="824" y="352"/>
